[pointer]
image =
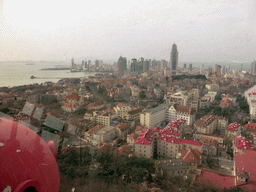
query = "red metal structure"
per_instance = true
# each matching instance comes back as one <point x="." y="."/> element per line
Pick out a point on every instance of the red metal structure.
<point x="27" y="162"/>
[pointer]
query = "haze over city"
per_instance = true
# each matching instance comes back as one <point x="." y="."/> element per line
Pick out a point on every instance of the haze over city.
<point x="204" y="31"/>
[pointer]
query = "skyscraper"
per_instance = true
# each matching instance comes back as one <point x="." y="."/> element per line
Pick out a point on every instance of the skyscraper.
<point x="253" y="68"/>
<point x="174" y="59"/>
<point x="122" y="65"/>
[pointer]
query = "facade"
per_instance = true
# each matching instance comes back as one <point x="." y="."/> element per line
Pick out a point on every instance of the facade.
<point x="105" y="135"/>
<point x="199" y="136"/>
<point x="133" y="115"/>
<point x="253" y="68"/>
<point x="132" y="138"/>
<point x="172" y="167"/>
<point x="232" y="130"/>
<point x="182" y="112"/>
<point x="144" y="146"/>
<point x="182" y="98"/>
<point x="206" y="124"/>
<point x="192" y="157"/>
<point x="122" y="110"/>
<point x="174" y="59"/>
<point x="153" y="117"/>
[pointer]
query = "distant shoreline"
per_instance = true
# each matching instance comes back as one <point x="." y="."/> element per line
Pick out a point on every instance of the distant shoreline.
<point x="56" y="68"/>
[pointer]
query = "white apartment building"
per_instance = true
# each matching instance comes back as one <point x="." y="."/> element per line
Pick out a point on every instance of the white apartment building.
<point x="170" y="146"/>
<point x="182" y="112"/>
<point x="144" y="146"/>
<point x="153" y="117"/>
<point x="105" y="135"/>
<point x="181" y="98"/>
<point x="122" y="110"/>
<point x="213" y="87"/>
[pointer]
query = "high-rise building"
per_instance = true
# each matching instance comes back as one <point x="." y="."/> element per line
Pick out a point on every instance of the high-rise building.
<point x="218" y="68"/>
<point x="133" y="65"/>
<point x="122" y="65"/>
<point x="185" y="66"/>
<point x="72" y="63"/>
<point x="174" y="59"/>
<point x="253" y="68"/>
<point x="190" y="66"/>
<point x="89" y="64"/>
<point x="97" y="63"/>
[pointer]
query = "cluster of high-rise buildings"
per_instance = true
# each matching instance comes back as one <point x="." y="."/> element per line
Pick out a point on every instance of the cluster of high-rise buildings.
<point x="141" y="65"/>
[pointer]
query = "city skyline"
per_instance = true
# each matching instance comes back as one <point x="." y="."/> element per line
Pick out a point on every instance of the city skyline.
<point x="204" y="31"/>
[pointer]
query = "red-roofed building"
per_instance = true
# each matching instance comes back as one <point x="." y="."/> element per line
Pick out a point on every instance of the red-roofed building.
<point x="132" y="138"/>
<point x="251" y="130"/>
<point x="199" y="136"/>
<point x="217" y="179"/>
<point x="74" y="99"/>
<point x="232" y="130"/>
<point x="70" y="107"/>
<point x="241" y="144"/>
<point x="226" y="103"/>
<point x="122" y="110"/>
<point x="245" y="169"/>
<point x="209" y="123"/>
<point x="96" y="106"/>
<point x="182" y="112"/>
<point x="144" y="146"/>
<point x="123" y="129"/>
<point x="138" y="129"/>
<point x="193" y="158"/>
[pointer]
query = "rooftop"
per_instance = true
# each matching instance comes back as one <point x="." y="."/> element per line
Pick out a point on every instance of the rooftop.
<point x="146" y="137"/>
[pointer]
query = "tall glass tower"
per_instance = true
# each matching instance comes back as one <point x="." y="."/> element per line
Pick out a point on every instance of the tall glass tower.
<point x="174" y="59"/>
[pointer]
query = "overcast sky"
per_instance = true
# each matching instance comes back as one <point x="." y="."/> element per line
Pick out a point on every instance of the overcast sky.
<point x="204" y="30"/>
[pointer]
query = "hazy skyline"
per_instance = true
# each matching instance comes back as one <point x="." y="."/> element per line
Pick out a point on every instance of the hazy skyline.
<point x="204" y="31"/>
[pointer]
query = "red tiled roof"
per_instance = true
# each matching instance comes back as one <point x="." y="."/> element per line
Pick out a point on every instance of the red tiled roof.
<point x="190" y="142"/>
<point x="140" y="128"/>
<point x="170" y="131"/>
<point x="217" y="179"/>
<point x="245" y="162"/>
<point x="233" y="126"/>
<point x="73" y="97"/>
<point x="122" y="126"/>
<point x="94" y="104"/>
<point x="184" y="109"/>
<point x="206" y="120"/>
<point x="226" y="103"/>
<point x="70" y="106"/>
<point x="191" y="155"/>
<point x="120" y="105"/>
<point x="243" y="143"/>
<point x="250" y="127"/>
<point x="176" y="123"/>
<point x="146" y="137"/>
<point x="133" y="136"/>
<point x="97" y="127"/>
<point x="168" y="139"/>
<point x="156" y="129"/>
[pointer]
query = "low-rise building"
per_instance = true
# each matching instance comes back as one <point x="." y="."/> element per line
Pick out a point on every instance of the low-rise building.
<point x="172" y="167"/>
<point x="132" y="138"/>
<point x="199" y="136"/>
<point x="232" y="130"/>
<point x="192" y="157"/>
<point x="105" y="135"/>
<point x="181" y="98"/>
